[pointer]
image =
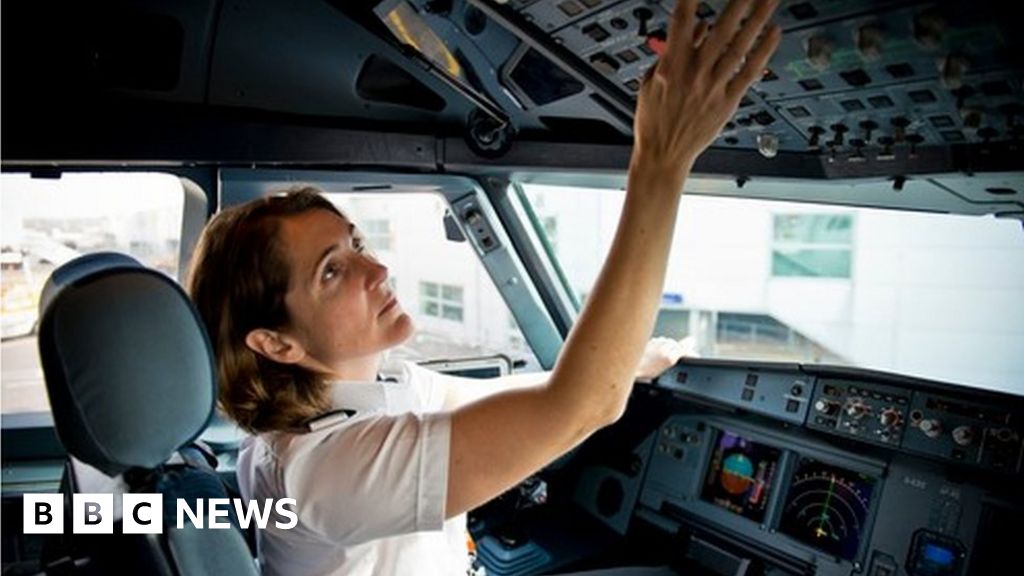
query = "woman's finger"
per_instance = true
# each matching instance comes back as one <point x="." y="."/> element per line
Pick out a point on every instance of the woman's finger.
<point x="723" y="31"/>
<point x="679" y="46"/>
<point x="738" y="50"/>
<point x="753" y="68"/>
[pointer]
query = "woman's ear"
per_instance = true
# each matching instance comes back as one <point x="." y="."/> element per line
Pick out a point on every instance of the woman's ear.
<point x="275" y="346"/>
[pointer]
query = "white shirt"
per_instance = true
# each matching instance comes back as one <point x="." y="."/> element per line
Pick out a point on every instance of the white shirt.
<point x="370" y="490"/>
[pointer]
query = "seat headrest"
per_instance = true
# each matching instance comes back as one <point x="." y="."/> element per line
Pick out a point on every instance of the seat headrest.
<point x="128" y="365"/>
<point x="80" y="267"/>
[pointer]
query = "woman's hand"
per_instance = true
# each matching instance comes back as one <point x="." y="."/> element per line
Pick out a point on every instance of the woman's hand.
<point x="696" y="86"/>
<point x="662" y="354"/>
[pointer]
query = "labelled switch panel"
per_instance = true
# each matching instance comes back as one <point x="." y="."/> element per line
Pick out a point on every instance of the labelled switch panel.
<point x="919" y="74"/>
<point x="954" y="429"/>
<point x="867" y="411"/>
<point x="474" y="224"/>
<point x="781" y="394"/>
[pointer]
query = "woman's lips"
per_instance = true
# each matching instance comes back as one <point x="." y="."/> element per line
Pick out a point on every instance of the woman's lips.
<point x="392" y="302"/>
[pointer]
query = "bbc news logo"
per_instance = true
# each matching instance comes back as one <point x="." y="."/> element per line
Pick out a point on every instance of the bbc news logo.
<point x="144" y="513"/>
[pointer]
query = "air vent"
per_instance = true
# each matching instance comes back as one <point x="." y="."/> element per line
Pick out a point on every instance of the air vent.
<point x="380" y="80"/>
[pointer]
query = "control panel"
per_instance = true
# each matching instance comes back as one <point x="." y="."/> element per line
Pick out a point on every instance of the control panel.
<point x="783" y="394"/>
<point x="868" y="411"/>
<point x="965" y="431"/>
<point x="853" y="81"/>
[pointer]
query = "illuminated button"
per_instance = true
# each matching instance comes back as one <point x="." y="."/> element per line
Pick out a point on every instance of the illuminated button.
<point x="792" y="406"/>
<point x="748" y="394"/>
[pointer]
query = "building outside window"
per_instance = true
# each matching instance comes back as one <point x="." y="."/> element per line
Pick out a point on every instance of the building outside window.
<point x="441" y="301"/>
<point x="377" y="233"/>
<point x="812" y="245"/>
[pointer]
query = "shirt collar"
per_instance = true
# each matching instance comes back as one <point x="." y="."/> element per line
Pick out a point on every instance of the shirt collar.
<point x="391" y="397"/>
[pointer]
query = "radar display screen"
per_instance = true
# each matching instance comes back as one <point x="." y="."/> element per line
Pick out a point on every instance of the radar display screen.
<point x="827" y="507"/>
<point x="740" y="474"/>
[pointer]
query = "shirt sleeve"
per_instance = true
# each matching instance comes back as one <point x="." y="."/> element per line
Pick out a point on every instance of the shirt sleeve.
<point x="431" y="387"/>
<point x="373" y="477"/>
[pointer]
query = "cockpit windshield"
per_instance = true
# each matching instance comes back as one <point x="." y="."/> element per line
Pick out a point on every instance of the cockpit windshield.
<point x="923" y="294"/>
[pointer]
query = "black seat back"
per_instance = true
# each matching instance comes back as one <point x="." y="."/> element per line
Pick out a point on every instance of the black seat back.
<point x="131" y="380"/>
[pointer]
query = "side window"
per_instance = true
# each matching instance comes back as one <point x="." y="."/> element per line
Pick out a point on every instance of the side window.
<point x="47" y="222"/>
<point x="457" y="311"/>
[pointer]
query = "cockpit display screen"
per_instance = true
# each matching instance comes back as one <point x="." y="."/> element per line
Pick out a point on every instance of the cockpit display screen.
<point x="740" y="475"/>
<point x="827" y="507"/>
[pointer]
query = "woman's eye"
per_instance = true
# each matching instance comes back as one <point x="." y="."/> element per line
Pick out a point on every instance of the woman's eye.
<point x="330" y="271"/>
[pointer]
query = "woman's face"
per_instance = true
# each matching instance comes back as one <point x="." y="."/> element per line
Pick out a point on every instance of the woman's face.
<point x="342" y="311"/>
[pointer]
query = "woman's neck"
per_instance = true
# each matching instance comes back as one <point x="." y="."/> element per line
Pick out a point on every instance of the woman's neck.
<point x="363" y="369"/>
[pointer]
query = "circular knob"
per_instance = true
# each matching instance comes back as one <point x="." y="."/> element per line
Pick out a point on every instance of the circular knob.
<point x="856" y="409"/>
<point x="826" y="407"/>
<point x="963" y="435"/>
<point x="890" y="417"/>
<point x="931" y="427"/>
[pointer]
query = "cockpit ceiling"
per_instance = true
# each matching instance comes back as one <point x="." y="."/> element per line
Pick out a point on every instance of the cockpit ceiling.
<point x="889" y="91"/>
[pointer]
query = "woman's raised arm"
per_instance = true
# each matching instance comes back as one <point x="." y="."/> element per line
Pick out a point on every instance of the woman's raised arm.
<point x="683" y="103"/>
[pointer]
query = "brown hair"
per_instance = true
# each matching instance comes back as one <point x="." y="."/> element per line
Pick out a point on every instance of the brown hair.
<point x="238" y="281"/>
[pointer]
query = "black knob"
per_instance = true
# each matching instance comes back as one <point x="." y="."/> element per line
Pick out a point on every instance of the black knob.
<point x="962" y="94"/>
<point x="886" y="152"/>
<point x="839" y="130"/>
<point x="899" y="125"/>
<point x="815" y="142"/>
<point x="858" y="151"/>
<point x="914" y="140"/>
<point x="987" y="133"/>
<point x="642" y="15"/>
<point x="868" y="126"/>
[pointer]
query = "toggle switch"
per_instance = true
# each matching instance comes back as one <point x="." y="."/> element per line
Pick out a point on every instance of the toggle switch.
<point x="868" y="126"/>
<point x="839" y="130"/>
<point x="899" y="128"/>
<point x="929" y="29"/>
<point x="858" y="151"/>
<point x="819" y="52"/>
<point x="869" y="39"/>
<point x="952" y="70"/>
<point x="914" y="140"/>
<point x="886" y="152"/>
<point x="815" y="142"/>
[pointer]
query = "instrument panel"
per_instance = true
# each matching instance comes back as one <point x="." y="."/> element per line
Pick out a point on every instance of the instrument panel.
<point x="853" y="481"/>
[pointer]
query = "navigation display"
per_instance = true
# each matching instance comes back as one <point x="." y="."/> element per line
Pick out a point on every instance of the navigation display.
<point x="827" y="507"/>
<point x="739" y="477"/>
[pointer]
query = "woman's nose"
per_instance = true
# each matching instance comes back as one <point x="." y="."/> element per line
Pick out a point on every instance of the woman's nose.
<point x="377" y="273"/>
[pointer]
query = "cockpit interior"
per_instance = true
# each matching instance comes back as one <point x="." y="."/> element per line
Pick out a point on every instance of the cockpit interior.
<point x="849" y="260"/>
